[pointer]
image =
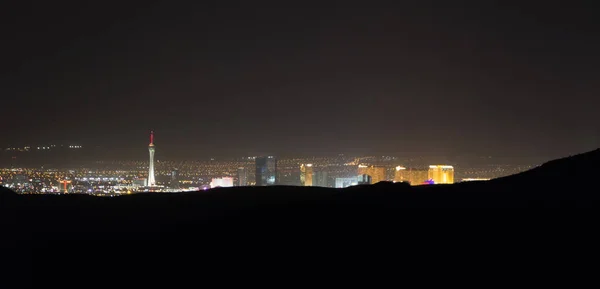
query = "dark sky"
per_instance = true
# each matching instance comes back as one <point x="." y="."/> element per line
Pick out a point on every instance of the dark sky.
<point x="285" y="77"/>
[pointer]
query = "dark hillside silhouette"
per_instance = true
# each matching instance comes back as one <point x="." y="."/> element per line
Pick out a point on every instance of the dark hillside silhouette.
<point x="569" y="171"/>
<point x="147" y="232"/>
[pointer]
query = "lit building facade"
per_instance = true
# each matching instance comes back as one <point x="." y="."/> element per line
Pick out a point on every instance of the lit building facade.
<point x="151" y="180"/>
<point x="288" y="173"/>
<point x="174" y="179"/>
<point x="345" y="182"/>
<point x="306" y="174"/>
<point x="320" y="179"/>
<point x="376" y="173"/>
<point x="364" y="180"/>
<point x="400" y="174"/>
<point x="412" y="176"/>
<point x="221" y="182"/>
<point x="441" y="174"/>
<point x="266" y="171"/>
<point x="242" y="176"/>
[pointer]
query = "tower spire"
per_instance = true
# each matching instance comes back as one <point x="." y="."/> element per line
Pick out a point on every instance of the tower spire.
<point x="151" y="180"/>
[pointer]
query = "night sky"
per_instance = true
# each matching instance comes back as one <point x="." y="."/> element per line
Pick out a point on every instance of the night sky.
<point x="301" y="77"/>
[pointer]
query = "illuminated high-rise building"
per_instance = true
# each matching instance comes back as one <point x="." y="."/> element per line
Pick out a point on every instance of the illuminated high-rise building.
<point x="376" y="173"/>
<point x="266" y="171"/>
<point x="242" y="176"/>
<point x="174" y="179"/>
<point x="306" y="174"/>
<point x="400" y="174"/>
<point x="418" y="176"/>
<point x="288" y="174"/>
<point x="364" y="180"/>
<point x="151" y="180"/>
<point x="320" y="179"/>
<point x="441" y="174"/>
<point x="413" y="176"/>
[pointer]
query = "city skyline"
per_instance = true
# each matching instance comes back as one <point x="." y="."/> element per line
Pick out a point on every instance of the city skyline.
<point x="126" y="177"/>
<point x="349" y="77"/>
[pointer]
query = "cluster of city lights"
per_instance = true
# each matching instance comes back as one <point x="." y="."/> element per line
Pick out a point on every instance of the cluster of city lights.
<point x="27" y="148"/>
<point x="113" y="178"/>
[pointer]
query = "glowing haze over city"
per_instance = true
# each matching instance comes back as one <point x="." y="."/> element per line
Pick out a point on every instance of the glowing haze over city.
<point x="259" y="93"/>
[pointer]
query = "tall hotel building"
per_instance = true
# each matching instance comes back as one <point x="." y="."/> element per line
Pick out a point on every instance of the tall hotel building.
<point x="242" y="176"/>
<point x="266" y="171"/>
<point x="320" y="179"/>
<point x="400" y="175"/>
<point x="412" y="176"/>
<point x="441" y="174"/>
<point x="306" y="174"/>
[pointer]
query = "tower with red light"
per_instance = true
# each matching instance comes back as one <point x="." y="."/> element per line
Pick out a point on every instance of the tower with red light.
<point x="151" y="180"/>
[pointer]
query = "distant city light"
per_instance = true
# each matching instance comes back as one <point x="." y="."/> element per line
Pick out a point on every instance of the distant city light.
<point x="221" y="182"/>
<point x="441" y="167"/>
<point x="113" y="178"/>
<point x="475" y="179"/>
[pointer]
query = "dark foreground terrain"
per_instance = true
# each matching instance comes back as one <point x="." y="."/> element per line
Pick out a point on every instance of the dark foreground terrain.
<point x="145" y="238"/>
